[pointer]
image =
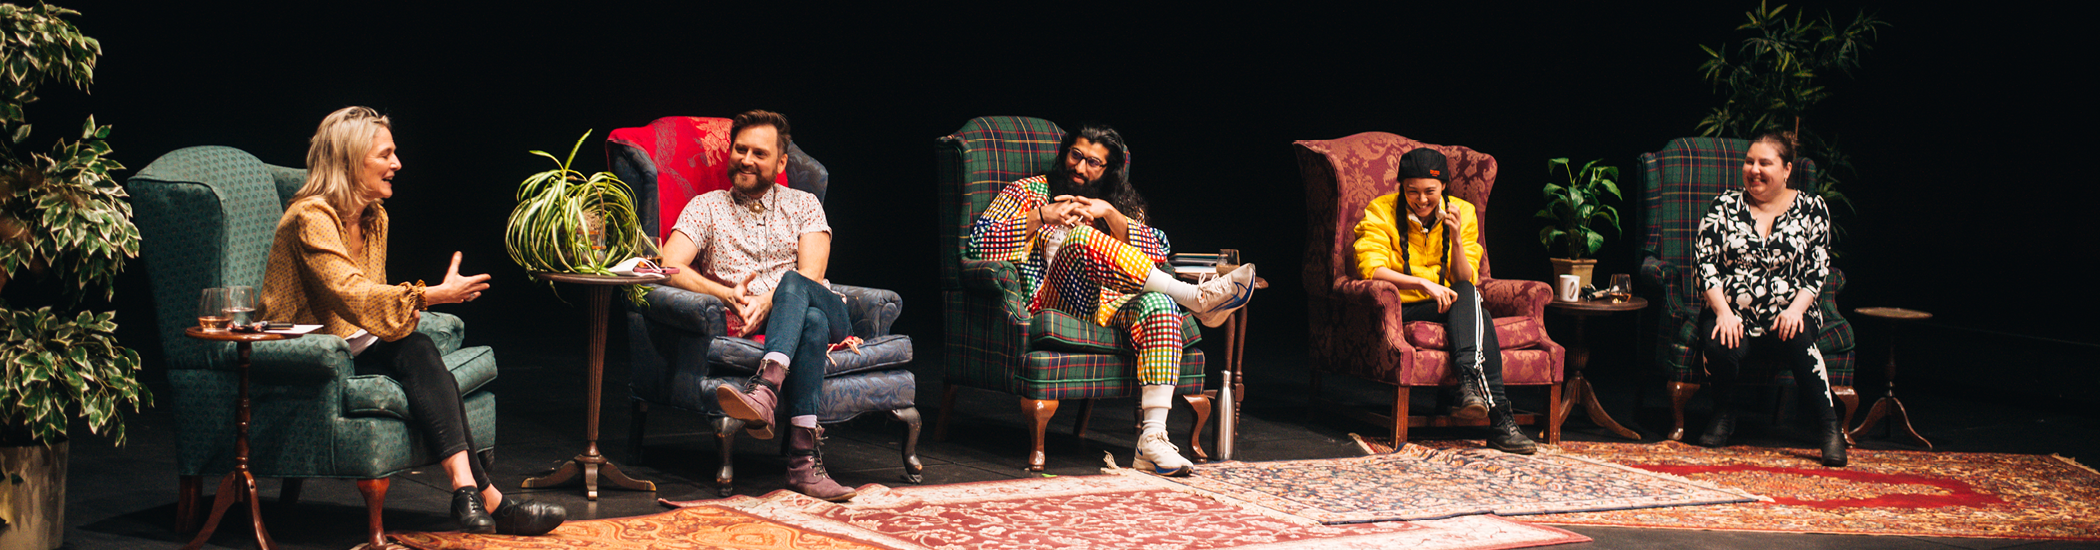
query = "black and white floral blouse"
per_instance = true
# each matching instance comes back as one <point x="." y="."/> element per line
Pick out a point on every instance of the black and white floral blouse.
<point x="1760" y="276"/>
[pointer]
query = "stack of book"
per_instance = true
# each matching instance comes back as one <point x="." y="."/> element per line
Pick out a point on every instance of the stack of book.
<point x="1194" y="263"/>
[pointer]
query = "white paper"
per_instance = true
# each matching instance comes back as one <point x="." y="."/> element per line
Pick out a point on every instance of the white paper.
<point x="296" y="329"/>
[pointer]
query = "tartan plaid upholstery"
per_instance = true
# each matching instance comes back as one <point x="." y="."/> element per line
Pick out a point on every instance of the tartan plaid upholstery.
<point x="1678" y="183"/>
<point x="985" y="303"/>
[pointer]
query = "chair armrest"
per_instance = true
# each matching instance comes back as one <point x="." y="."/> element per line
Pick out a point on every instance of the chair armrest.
<point x="444" y="329"/>
<point x="1515" y="298"/>
<point x="1375" y="300"/>
<point x="1001" y="278"/>
<point x="312" y="358"/>
<point x="691" y="311"/>
<point x="872" y="310"/>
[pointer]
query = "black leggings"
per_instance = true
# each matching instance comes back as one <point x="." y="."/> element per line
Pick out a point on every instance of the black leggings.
<point x="1472" y="335"/>
<point x="433" y="395"/>
<point x="1724" y="364"/>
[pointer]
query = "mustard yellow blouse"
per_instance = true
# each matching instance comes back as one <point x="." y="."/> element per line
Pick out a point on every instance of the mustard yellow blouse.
<point x="313" y="277"/>
<point x="1379" y="238"/>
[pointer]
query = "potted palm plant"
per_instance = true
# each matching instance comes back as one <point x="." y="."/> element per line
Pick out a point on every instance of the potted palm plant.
<point x="65" y="232"/>
<point x="1575" y="210"/>
<point x="567" y="222"/>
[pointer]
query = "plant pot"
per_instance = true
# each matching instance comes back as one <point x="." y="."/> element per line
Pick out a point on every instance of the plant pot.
<point x="1579" y="268"/>
<point x="35" y="508"/>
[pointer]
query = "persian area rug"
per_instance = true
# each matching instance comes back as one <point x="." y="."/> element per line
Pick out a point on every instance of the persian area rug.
<point x="1424" y="483"/>
<point x="1908" y="493"/>
<point x="1105" y="512"/>
<point x="692" y="527"/>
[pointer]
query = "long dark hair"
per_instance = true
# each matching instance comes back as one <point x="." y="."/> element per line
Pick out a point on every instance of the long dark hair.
<point x="1113" y="185"/>
<point x="1400" y="213"/>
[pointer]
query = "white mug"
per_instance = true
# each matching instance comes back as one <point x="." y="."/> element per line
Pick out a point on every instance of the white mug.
<point x="1570" y="288"/>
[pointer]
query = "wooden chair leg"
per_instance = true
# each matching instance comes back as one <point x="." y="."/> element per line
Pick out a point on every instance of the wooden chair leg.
<point x="913" y="469"/>
<point x="1554" y="414"/>
<point x="375" y="501"/>
<point x="1400" y="416"/>
<point x="1850" y="398"/>
<point x="940" y="427"/>
<point x="1202" y="404"/>
<point x="189" y="494"/>
<point x="637" y="420"/>
<point x="1086" y="413"/>
<point x="726" y="429"/>
<point x="1680" y="393"/>
<point x="1038" y="413"/>
<point x="288" y="494"/>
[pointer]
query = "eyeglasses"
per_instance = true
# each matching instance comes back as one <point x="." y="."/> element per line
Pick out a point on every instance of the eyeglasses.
<point x="1081" y="157"/>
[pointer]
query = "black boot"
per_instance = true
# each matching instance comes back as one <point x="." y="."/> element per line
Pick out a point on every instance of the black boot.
<point x="1718" y="429"/>
<point x="1503" y="434"/>
<point x="1472" y="399"/>
<point x="468" y="510"/>
<point x="528" y="518"/>
<point x="1833" y="443"/>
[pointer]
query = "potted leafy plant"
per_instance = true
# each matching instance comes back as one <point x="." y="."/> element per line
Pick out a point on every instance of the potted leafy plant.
<point x="567" y="222"/>
<point x="65" y="231"/>
<point x="1574" y="208"/>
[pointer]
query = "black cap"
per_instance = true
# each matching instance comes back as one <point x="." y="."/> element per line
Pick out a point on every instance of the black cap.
<point x="1423" y="162"/>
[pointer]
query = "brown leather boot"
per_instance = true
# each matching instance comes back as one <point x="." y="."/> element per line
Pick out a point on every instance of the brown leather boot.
<point x="754" y="404"/>
<point x="806" y="466"/>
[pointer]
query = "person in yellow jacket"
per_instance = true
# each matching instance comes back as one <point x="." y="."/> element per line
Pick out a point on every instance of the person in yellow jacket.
<point x="1428" y="244"/>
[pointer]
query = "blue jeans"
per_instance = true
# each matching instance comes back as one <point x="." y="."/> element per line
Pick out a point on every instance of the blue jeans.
<point x="806" y="319"/>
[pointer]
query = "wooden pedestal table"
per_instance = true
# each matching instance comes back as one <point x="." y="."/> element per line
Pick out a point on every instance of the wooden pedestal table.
<point x="1577" y="389"/>
<point x="1888" y="405"/>
<point x="239" y="484"/>
<point x="1233" y="388"/>
<point x="591" y="464"/>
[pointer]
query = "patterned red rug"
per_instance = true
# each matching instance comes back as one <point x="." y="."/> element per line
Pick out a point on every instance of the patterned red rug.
<point x="1879" y="493"/>
<point x="692" y="527"/>
<point x="1107" y="512"/>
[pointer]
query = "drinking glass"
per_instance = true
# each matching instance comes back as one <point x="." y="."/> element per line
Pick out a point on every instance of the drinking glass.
<point x="1621" y="289"/>
<point x="1228" y="260"/>
<point x="211" y="310"/>
<point x="240" y="307"/>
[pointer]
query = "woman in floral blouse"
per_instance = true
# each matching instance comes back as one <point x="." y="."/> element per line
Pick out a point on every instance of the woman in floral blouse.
<point x="1763" y="255"/>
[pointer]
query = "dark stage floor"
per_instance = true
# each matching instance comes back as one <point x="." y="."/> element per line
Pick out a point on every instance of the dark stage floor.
<point x="124" y="498"/>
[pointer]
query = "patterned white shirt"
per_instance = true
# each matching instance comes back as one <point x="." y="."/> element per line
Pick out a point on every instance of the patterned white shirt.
<point x="735" y="242"/>
<point x="1760" y="275"/>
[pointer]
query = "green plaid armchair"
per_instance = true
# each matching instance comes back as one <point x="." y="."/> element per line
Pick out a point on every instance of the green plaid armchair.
<point x="208" y="216"/>
<point x="1678" y="183"/>
<point x="993" y="342"/>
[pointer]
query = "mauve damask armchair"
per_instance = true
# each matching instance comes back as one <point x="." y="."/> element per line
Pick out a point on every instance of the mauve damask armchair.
<point x="679" y="342"/>
<point x="1678" y="183"/>
<point x="207" y="216"/>
<point x="1356" y="326"/>
<point x="993" y="342"/>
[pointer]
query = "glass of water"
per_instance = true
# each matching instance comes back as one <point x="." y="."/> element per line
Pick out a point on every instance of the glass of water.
<point x="240" y="307"/>
<point x="211" y="310"/>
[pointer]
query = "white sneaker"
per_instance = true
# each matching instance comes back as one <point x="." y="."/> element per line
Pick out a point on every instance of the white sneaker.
<point x="1217" y="298"/>
<point x="1156" y="455"/>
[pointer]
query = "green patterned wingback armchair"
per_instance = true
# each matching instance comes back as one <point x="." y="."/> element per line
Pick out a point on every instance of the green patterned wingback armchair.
<point x="208" y="215"/>
<point x="993" y="342"/>
<point x="1678" y="183"/>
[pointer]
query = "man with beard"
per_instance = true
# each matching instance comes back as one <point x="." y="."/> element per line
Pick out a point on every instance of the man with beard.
<point x="765" y="248"/>
<point x="1079" y="236"/>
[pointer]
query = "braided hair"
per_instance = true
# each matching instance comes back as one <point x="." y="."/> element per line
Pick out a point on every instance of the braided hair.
<point x="1407" y="265"/>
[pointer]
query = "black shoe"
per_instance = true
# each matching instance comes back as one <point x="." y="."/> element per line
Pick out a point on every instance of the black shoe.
<point x="468" y="510"/>
<point x="1718" y="429"/>
<point x="1833" y="444"/>
<point x="1472" y="399"/>
<point x="528" y="518"/>
<point x="1503" y="434"/>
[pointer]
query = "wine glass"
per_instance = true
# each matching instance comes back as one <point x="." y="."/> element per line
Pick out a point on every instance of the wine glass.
<point x="1621" y="290"/>
<point x="240" y="307"/>
<point x="211" y="310"/>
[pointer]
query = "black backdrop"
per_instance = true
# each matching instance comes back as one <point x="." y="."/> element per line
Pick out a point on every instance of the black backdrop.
<point x="1961" y="121"/>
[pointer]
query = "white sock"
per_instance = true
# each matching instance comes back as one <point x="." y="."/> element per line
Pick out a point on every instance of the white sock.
<point x="1155" y="420"/>
<point x="776" y="358"/>
<point x="1154" y="402"/>
<point x="804" y="421"/>
<point x="1182" y="292"/>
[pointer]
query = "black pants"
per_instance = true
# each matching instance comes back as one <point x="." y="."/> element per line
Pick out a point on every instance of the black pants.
<point x="1472" y="336"/>
<point x="1725" y="364"/>
<point x="433" y="395"/>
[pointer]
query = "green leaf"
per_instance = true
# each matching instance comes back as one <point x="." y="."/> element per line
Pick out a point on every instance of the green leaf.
<point x="21" y="133"/>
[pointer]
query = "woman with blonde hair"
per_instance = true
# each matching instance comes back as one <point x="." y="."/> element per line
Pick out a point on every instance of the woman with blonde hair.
<point x="328" y="267"/>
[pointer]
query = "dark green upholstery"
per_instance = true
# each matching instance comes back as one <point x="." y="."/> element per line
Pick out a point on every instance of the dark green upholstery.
<point x="207" y="216"/>
<point x="993" y="342"/>
<point x="1678" y="184"/>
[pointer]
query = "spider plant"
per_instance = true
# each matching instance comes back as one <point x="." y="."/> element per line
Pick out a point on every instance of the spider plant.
<point x="567" y="222"/>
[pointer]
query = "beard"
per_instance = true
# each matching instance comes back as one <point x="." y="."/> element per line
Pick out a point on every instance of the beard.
<point x="1060" y="180"/>
<point x="747" y="183"/>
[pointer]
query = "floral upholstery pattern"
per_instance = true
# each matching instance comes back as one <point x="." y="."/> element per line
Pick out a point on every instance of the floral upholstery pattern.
<point x="1355" y="324"/>
<point x="679" y="343"/>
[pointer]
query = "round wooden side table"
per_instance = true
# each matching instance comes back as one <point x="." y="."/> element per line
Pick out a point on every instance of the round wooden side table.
<point x="1577" y="389"/>
<point x="591" y="464"/>
<point x="1888" y="405"/>
<point x="239" y="484"/>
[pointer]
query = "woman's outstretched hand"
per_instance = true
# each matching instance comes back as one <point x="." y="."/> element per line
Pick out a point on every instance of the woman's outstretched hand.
<point x="1728" y="328"/>
<point x="456" y="288"/>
